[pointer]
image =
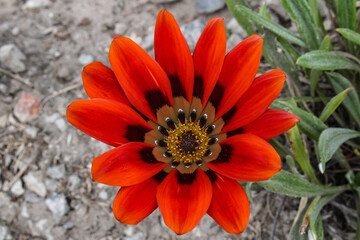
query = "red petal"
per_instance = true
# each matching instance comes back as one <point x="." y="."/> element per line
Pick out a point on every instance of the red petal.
<point x="229" y="206"/>
<point x="127" y="165"/>
<point x="173" y="55"/>
<point x="208" y="58"/>
<point x="246" y="157"/>
<point x="109" y="121"/>
<point x="144" y="82"/>
<point x="239" y="70"/>
<point x="183" y="199"/>
<point x="100" y="82"/>
<point x="265" y="89"/>
<point x="271" y="123"/>
<point x="134" y="203"/>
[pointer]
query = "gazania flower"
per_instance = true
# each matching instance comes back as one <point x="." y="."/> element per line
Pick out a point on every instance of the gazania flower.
<point x="185" y="127"/>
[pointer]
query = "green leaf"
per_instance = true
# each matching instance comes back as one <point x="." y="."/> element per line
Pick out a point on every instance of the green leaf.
<point x="332" y="105"/>
<point x="331" y="139"/>
<point x="274" y="27"/>
<point x="299" y="11"/>
<point x="301" y="156"/>
<point x="349" y="34"/>
<point x="309" y="124"/>
<point x="243" y="21"/>
<point x="297" y="227"/>
<point x="324" y="60"/>
<point x="314" y="8"/>
<point x="290" y="184"/>
<point x="351" y="102"/>
<point x="346" y="14"/>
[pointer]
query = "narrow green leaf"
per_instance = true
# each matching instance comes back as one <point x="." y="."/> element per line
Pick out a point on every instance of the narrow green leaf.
<point x="241" y="19"/>
<point x="274" y="27"/>
<point x="349" y="34"/>
<point x="351" y="102"/>
<point x="299" y="11"/>
<point x="309" y="124"/>
<point x="290" y="184"/>
<point x="296" y="231"/>
<point x="332" y="105"/>
<point x="301" y="156"/>
<point x="314" y="8"/>
<point x="324" y="60"/>
<point x="331" y="139"/>
<point x="346" y="14"/>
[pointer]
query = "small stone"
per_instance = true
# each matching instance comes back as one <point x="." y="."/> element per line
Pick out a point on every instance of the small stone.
<point x="103" y="195"/>
<point x="61" y="124"/>
<point x="235" y="27"/>
<point x="15" y="31"/>
<point x="33" y="4"/>
<point x="34" y="182"/>
<point x="136" y="236"/>
<point x="275" y="5"/>
<point x="3" y="88"/>
<point x="63" y="73"/>
<point x="56" y="172"/>
<point x="4" y="233"/>
<point x="27" y="107"/>
<point x="83" y="22"/>
<point x="148" y="41"/>
<point x="120" y="28"/>
<point x="232" y="41"/>
<point x="31" y="131"/>
<point x="51" y="184"/>
<point x="52" y="118"/>
<point x="85" y="59"/>
<point x="58" y="205"/>
<point x="32" y="197"/>
<point x="12" y="58"/>
<point x="192" y="32"/>
<point x="135" y="38"/>
<point x="17" y="188"/>
<point x="73" y="182"/>
<point x="209" y="6"/>
<point x="162" y="1"/>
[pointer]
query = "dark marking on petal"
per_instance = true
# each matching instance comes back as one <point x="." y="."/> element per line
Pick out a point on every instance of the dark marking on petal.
<point x="181" y="116"/>
<point x="198" y="86"/>
<point x="142" y="115"/>
<point x="225" y="154"/>
<point x="175" y="163"/>
<point x="211" y="174"/>
<point x="208" y="153"/>
<point x="147" y="156"/>
<point x="160" y="176"/>
<point x="156" y="99"/>
<point x="193" y="115"/>
<point x="170" y="123"/>
<point x="187" y="178"/>
<point x="160" y="143"/>
<point x="203" y="120"/>
<point x="135" y="133"/>
<point x="212" y="141"/>
<point x="163" y="130"/>
<point x="230" y="114"/>
<point x="167" y="154"/>
<point x="210" y="129"/>
<point x="234" y="132"/>
<point x="217" y="95"/>
<point x="176" y="86"/>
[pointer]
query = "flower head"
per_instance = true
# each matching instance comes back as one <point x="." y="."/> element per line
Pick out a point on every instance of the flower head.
<point x="185" y="127"/>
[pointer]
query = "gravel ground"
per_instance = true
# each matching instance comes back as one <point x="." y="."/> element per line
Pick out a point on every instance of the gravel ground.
<point x="46" y="190"/>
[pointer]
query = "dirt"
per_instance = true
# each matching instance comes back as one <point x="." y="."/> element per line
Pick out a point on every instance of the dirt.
<point x="58" y="39"/>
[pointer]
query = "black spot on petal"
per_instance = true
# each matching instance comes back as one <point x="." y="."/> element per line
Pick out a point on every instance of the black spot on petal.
<point x="187" y="178"/>
<point x="160" y="176"/>
<point x="217" y="95"/>
<point x="198" y="86"/>
<point x="156" y="99"/>
<point x="229" y="115"/>
<point x="234" y="132"/>
<point x="147" y="156"/>
<point x="211" y="174"/>
<point x="176" y="86"/>
<point x="135" y="133"/>
<point x="225" y="154"/>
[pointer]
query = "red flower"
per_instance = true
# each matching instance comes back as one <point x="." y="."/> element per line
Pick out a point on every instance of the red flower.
<point x="185" y="127"/>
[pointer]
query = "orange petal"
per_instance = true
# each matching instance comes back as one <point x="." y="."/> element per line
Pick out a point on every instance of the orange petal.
<point x="239" y="70"/>
<point x="173" y="55"/>
<point x="127" y="165"/>
<point x="271" y="123"/>
<point x="183" y="199"/>
<point x="246" y="157"/>
<point x="229" y="206"/>
<point x="134" y="203"/>
<point x="100" y="82"/>
<point x="208" y="58"/>
<point x="144" y="82"/>
<point x="264" y="90"/>
<point x="109" y="121"/>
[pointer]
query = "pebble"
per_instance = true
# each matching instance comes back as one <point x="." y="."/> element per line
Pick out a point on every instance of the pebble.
<point x="136" y="236"/>
<point x="58" y="205"/>
<point x="56" y="172"/>
<point x="103" y="195"/>
<point x="15" y="31"/>
<point x="85" y="59"/>
<point x="148" y="41"/>
<point x="33" y="4"/>
<point x="192" y="32"/>
<point x="73" y="182"/>
<point x="275" y="5"/>
<point x="209" y="6"/>
<point x="32" y="197"/>
<point x="17" y="188"/>
<point x="232" y="41"/>
<point x="31" y="131"/>
<point x="4" y="233"/>
<point x="162" y="1"/>
<point x="234" y="27"/>
<point x="61" y="124"/>
<point x="12" y="58"/>
<point x="34" y="182"/>
<point x="51" y="184"/>
<point x="27" y="107"/>
<point x="63" y="72"/>
<point x="120" y="28"/>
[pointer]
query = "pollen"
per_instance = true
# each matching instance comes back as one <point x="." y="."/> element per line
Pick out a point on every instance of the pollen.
<point x="187" y="143"/>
